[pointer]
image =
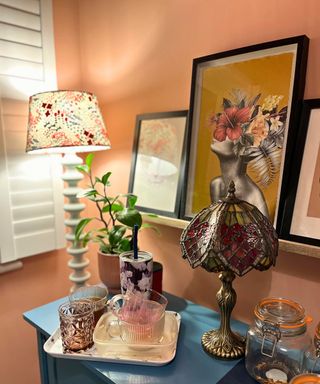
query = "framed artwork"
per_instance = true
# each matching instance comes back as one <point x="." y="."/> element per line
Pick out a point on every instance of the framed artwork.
<point x="301" y="221"/>
<point x="243" y="115"/>
<point x="158" y="160"/>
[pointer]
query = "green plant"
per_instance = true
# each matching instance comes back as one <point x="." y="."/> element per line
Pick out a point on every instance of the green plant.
<point x="116" y="215"/>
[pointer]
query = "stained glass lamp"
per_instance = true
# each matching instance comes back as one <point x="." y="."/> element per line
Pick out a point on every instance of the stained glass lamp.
<point x="68" y="122"/>
<point x="230" y="237"/>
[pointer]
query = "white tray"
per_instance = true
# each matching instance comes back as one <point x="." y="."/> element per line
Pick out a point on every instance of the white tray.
<point x="116" y="351"/>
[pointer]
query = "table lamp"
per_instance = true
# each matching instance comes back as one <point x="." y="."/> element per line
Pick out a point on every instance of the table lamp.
<point x="230" y="237"/>
<point x="67" y="122"/>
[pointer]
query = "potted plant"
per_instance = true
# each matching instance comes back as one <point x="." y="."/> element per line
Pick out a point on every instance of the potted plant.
<point x="116" y="217"/>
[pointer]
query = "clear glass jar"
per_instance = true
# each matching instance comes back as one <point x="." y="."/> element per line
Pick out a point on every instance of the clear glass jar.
<point x="276" y="341"/>
<point x="311" y="361"/>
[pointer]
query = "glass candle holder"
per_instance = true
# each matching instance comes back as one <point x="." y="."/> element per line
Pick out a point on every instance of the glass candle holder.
<point x="76" y="325"/>
<point x="97" y="294"/>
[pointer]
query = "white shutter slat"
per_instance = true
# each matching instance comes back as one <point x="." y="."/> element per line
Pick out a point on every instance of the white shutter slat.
<point x="32" y="6"/>
<point x="29" y="197"/>
<point x="21" y="68"/>
<point x="20" y="35"/>
<point x="20" y="51"/>
<point x="19" y="18"/>
<point x="23" y="212"/>
<point x="31" y="225"/>
<point x="35" y="243"/>
<point x="24" y="184"/>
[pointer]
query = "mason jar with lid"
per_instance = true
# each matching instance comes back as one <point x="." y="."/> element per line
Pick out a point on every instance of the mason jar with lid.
<point x="276" y="341"/>
<point x="311" y="361"/>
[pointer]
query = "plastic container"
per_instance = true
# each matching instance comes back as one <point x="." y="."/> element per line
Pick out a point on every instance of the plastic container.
<point x="277" y="341"/>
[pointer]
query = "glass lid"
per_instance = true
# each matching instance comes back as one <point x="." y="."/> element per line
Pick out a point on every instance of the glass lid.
<point x="286" y="313"/>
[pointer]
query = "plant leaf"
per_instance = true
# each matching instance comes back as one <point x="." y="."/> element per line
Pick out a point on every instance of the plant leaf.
<point x="82" y="168"/>
<point x="80" y="227"/>
<point x="226" y="103"/>
<point x="87" y="192"/>
<point x="132" y="199"/>
<point x="116" y="234"/>
<point x="114" y="207"/>
<point x="151" y="215"/>
<point x="254" y="100"/>
<point x="255" y="112"/>
<point x="147" y="225"/>
<point x="88" y="160"/>
<point x="105" y="178"/>
<point x="129" y="217"/>
<point x="125" y="245"/>
<point x="265" y="163"/>
<point x="242" y="103"/>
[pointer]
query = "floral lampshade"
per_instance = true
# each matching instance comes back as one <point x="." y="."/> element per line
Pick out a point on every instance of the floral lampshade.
<point x="230" y="234"/>
<point x="61" y="121"/>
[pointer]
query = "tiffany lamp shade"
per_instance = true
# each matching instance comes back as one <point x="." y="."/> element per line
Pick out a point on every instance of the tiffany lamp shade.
<point x="230" y="237"/>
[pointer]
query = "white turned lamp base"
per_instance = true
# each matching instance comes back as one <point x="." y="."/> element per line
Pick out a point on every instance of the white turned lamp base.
<point x="78" y="263"/>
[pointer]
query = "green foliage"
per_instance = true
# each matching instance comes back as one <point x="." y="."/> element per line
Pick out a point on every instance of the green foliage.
<point x="116" y="215"/>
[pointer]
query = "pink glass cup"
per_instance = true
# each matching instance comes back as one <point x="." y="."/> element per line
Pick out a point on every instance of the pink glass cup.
<point x="140" y="317"/>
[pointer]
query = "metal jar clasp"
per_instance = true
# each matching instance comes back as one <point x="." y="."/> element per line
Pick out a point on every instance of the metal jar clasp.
<point x="271" y="332"/>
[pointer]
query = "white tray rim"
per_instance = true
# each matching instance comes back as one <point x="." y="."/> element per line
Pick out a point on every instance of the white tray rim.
<point x="52" y="340"/>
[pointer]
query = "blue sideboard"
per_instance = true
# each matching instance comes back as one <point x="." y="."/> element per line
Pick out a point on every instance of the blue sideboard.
<point x="191" y="363"/>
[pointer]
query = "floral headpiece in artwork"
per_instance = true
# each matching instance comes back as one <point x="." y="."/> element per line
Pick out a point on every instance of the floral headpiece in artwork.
<point x="257" y="131"/>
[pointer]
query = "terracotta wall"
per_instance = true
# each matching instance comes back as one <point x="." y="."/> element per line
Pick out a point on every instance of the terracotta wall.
<point x="137" y="57"/>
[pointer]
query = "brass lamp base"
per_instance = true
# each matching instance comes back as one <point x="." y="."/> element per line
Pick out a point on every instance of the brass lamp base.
<point x="222" y="342"/>
<point x="217" y="344"/>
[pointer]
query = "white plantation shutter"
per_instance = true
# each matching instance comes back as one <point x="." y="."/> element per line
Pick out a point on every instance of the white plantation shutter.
<point x="27" y="60"/>
<point x="31" y="202"/>
<point x="31" y="198"/>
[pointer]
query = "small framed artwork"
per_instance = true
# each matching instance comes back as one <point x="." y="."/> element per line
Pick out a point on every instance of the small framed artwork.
<point x="243" y="116"/>
<point x="301" y="221"/>
<point x="158" y="159"/>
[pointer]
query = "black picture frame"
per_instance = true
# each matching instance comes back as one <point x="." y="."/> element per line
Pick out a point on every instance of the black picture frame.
<point x="298" y="224"/>
<point x="298" y="45"/>
<point x="157" y="167"/>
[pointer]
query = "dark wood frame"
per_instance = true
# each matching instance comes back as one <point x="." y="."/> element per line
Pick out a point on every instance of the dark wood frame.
<point x="154" y="116"/>
<point x="300" y="148"/>
<point x="302" y="43"/>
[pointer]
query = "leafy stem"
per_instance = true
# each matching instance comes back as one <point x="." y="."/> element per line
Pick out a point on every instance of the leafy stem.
<point x="118" y="217"/>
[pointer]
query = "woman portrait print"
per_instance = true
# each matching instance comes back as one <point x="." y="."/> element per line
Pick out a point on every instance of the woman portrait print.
<point x="247" y="134"/>
<point x="240" y="126"/>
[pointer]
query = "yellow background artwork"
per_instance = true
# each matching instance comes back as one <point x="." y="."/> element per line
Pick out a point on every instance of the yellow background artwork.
<point x="270" y="75"/>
